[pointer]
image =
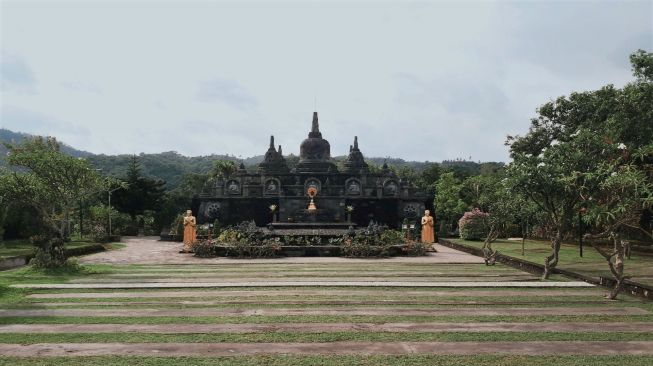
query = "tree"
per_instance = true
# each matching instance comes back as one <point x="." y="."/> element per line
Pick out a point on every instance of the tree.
<point x="448" y="205"/>
<point x="615" y="192"/>
<point x="223" y="168"/>
<point x="49" y="182"/>
<point x="140" y="193"/>
<point x="570" y="141"/>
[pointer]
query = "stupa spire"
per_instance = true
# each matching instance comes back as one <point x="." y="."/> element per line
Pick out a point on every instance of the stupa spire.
<point x="355" y="142"/>
<point x="280" y="153"/>
<point x="272" y="142"/>
<point x="315" y="128"/>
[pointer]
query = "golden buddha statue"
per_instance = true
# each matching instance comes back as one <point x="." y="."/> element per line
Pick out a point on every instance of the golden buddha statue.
<point x="428" y="233"/>
<point x="190" y="232"/>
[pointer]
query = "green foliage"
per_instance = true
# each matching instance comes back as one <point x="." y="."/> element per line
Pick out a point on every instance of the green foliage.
<point x="204" y="249"/>
<point x="140" y="194"/>
<point x="362" y="247"/>
<point x="50" y="183"/>
<point x="473" y="225"/>
<point x="448" y="204"/>
<point x="49" y="253"/>
<point x="99" y="233"/>
<point x="580" y="152"/>
<point x="223" y="168"/>
<point x="642" y="63"/>
<point x="415" y="249"/>
<point x="246" y="240"/>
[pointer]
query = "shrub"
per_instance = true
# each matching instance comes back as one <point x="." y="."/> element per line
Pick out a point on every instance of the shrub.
<point x="473" y="225"/>
<point x="99" y="234"/>
<point x="204" y="249"/>
<point x="415" y="249"/>
<point x="49" y="252"/>
<point x="362" y="247"/>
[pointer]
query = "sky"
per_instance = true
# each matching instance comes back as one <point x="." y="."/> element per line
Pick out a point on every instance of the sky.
<point x="424" y="81"/>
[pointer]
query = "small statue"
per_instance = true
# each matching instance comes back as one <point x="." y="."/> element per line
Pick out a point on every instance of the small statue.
<point x="428" y="234"/>
<point x="190" y="233"/>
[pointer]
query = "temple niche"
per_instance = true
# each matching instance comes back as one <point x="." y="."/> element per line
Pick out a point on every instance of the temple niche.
<point x="381" y="197"/>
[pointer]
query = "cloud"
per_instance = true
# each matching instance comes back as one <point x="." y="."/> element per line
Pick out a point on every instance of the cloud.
<point x="226" y="91"/>
<point x="78" y="86"/>
<point x="23" y="120"/>
<point x="17" y="75"/>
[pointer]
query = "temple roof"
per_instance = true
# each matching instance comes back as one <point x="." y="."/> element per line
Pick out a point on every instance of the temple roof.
<point x="273" y="162"/>
<point x="355" y="162"/>
<point x="315" y="152"/>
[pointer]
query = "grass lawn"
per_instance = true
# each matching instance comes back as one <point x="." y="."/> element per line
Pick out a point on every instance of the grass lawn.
<point x="14" y="248"/>
<point x="323" y="360"/>
<point x="639" y="266"/>
<point x="505" y="299"/>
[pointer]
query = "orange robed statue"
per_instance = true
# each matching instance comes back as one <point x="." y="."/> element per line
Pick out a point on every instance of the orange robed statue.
<point x="428" y="235"/>
<point x="190" y="234"/>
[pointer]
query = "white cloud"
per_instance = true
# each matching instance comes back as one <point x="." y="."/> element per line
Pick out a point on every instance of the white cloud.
<point x="424" y="81"/>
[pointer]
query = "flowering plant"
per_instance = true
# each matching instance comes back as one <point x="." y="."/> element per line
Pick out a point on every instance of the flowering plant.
<point x="273" y="208"/>
<point x="349" y="209"/>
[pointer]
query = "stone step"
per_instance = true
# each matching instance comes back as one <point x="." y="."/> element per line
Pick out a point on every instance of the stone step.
<point x="461" y="284"/>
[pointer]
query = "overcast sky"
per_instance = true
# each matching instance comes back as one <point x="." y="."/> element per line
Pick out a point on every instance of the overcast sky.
<point x="415" y="80"/>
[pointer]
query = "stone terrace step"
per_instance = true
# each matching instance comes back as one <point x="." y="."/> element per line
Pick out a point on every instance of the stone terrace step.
<point x="492" y="284"/>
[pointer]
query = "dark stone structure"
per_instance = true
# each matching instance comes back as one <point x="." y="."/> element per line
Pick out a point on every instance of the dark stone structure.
<point x="381" y="197"/>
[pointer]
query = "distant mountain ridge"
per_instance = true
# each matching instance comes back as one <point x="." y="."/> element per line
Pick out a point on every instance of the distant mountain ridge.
<point x="171" y="166"/>
<point x="11" y="137"/>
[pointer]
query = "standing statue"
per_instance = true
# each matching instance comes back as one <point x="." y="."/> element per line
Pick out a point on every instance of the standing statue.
<point x="428" y="234"/>
<point x="190" y="233"/>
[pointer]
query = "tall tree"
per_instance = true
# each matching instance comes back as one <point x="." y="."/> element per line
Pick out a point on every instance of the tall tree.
<point x="552" y="162"/>
<point x="448" y="205"/>
<point x="50" y="182"/>
<point x="140" y="193"/>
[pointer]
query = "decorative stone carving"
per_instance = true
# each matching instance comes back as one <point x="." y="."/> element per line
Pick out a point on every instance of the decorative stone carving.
<point x="272" y="187"/>
<point x="313" y="182"/>
<point x="390" y="187"/>
<point x="212" y="210"/>
<point x="353" y="187"/>
<point x="232" y="187"/>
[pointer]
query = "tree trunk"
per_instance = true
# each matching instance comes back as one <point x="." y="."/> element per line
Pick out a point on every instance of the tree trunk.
<point x="552" y="260"/>
<point x="490" y="255"/>
<point x="615" y="262"/>
<point x="617" y="265"/>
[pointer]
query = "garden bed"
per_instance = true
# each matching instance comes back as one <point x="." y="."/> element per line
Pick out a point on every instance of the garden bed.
<point x="311" y="251"/>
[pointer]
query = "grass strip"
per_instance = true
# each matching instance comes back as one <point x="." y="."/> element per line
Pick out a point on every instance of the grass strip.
<point x="325" y="360"/>
<point x="26" y="338"/>
<point x="255" y="319"/>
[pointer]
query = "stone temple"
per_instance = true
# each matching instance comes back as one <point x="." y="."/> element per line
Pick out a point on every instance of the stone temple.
<point x="244" y="195"/>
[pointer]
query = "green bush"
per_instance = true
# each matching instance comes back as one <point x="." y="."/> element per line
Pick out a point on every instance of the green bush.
<point x="415" y="249"/>
<point x="204" y="249"/>
<point x="473" y="225"/>
<point x="99" y="234"/>
<point x="49" y="252"/>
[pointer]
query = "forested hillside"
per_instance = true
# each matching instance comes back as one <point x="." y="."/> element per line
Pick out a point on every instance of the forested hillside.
<point x="171" y="166"/>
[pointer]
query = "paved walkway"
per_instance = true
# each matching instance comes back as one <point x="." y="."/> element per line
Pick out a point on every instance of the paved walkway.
<point x="149" y="250"/>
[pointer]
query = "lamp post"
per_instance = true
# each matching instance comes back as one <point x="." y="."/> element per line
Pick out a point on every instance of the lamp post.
<point x="110" y="192"/>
